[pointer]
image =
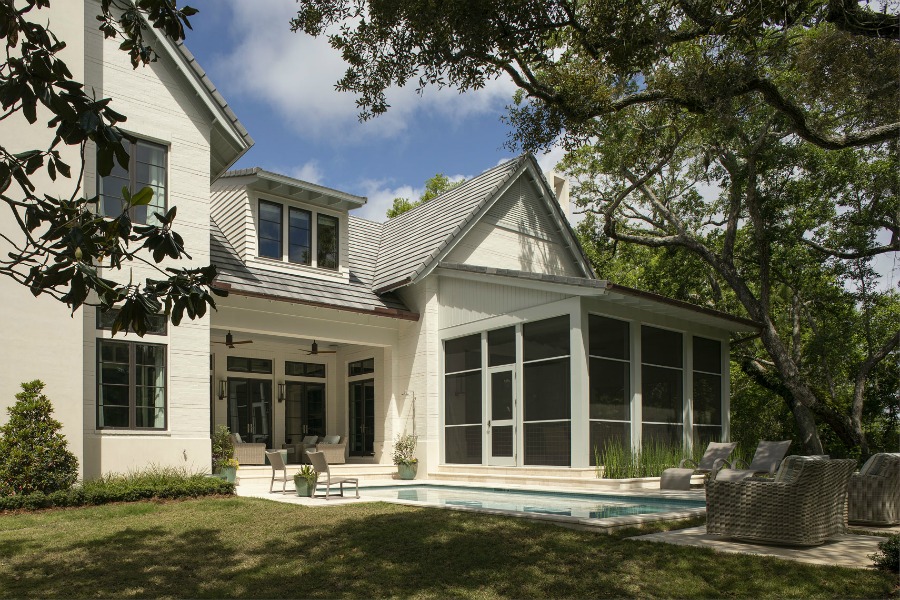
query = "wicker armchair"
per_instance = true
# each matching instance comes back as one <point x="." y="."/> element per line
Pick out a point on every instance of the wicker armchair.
<point x="246" y="453"/>
<point x="874" y="492"/>
<point x="804" y="505"/>
<point x="335" y="452"/>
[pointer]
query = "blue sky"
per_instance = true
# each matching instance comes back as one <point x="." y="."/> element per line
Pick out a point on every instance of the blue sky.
<point x="281" y="85"/>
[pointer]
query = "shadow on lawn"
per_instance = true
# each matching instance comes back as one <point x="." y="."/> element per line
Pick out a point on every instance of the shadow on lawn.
<point x="374" y="551"/>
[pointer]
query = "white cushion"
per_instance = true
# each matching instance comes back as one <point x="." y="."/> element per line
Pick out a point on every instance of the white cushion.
<point x="332" y="439"/>
<point x="236" y="438"/>
<point x="310" y="440"/>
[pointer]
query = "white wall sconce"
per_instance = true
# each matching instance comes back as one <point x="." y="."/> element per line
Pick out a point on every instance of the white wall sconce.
<point x="223" y="389"/>
<point x="281" y="392"/>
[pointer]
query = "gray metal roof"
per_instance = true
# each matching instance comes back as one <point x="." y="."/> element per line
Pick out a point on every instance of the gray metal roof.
<point x="410" y="242"/>
<point x="354" y="295"/>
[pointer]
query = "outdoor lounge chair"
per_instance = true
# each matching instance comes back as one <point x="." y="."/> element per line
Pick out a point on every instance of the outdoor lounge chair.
<point x="320" y="464"/>
<point x="804" y="505"/>
<point x="277" y="461"/>
<point x="246" y="453"/>
<point x="874" y="492"/>
<point x="765" y="461"/>
<point x="680" y="478"/>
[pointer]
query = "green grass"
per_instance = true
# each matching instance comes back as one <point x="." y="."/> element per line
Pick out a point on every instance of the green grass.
<point x="244" y="547"/>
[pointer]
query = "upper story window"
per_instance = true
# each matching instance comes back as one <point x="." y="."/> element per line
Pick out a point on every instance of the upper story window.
<point x="327" y="230"/>
<point x="156" y="324"/>
<point x="296" y="225"/>
<point x="146" y="168"/>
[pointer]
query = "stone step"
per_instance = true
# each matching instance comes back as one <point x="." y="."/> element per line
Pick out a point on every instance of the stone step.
<point x="556" y="481"/>
<point x="567" y="472"/>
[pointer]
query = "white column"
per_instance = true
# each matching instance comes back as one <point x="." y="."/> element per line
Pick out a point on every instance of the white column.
<point x="580" y="409"/>
<point x="637" y="416"/>
<point x="688" y="390"/>
<point x="726" y="391"/>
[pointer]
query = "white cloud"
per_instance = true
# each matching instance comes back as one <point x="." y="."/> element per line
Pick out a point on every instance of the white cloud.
<point x="296" y="74"/>
<point x="309" y="171"/>
<point x="381" y="196"/>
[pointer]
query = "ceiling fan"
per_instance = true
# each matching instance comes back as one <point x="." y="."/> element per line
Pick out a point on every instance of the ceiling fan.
<point x="315" y="350"/>
<point x="229" y="341"/>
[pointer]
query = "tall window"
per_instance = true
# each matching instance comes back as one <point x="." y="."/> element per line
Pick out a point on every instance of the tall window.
<point x="548" y="399"/>
<point x="707" y="393"/>
<point x="270" y="229"/>
<point x="462" y="400"/>
<point x="610" y="383"/>
<point x="146" y="168"/>
<point x="131" y="385"/>
<point x="327" y="242"/>
<point x="661" y="379"/>
<point x="299" y="236"/>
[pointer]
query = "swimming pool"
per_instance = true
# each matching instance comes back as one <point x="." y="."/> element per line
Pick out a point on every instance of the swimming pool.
<point x="558" y="505"/>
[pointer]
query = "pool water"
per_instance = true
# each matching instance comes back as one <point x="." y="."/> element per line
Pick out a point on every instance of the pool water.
<point x="584" y="506"/>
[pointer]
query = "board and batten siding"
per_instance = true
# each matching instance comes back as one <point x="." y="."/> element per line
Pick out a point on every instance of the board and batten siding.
<point x="466" y="301"/>
<point x="516" y="233"/>
<point x="230" y="209"/>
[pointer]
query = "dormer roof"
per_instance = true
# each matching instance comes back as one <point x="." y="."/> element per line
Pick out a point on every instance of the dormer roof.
<point x="260" y="180"/>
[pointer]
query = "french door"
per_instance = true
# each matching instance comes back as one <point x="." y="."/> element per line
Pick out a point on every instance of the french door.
<point x="362" y="417"/>
<point x="501" y="427"/>
<point x="304" y="410"/>
<point x="250" y="409"/>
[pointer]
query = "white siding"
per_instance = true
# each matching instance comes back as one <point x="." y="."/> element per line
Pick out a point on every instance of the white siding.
<point x="516" y="233"/>
<point x="230" y="208"/>
<point x="466" y="301"/>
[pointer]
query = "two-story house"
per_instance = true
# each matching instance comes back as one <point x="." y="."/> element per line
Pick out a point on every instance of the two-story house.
<point x="473" y="320"/>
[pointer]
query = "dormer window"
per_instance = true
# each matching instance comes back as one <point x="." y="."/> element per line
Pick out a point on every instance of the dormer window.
<point x="277" y="222"/>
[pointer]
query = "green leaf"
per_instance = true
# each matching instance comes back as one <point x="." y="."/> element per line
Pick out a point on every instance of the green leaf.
<point x="143" y="197"/>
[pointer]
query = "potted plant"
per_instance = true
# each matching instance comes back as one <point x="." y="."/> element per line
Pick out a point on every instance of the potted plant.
<point x="305" y="481"/>
<point x="222" y="448"/>
<point x="404" y="455"/>
<point x="228" y="469"/>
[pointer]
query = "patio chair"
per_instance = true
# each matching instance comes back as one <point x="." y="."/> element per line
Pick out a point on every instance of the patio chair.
<point x="680" y="478"/>
<point x="247" y="453"/>
<point x="277" y="461"/>
<point x="765" y="461"/>
<point x="874" y="492"/>
<point x="335" y="449"/>
<point x="320" y="464"/>
<point x="804" y="505"/>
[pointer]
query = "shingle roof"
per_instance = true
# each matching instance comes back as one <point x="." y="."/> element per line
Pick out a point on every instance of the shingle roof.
<point x="354" y="294"/>
<point x="410" y="242"/>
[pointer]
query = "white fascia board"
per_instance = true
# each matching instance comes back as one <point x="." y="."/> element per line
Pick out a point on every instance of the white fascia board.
<point x="531" y="284"/>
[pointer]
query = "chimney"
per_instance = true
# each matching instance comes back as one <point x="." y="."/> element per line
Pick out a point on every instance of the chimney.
<point x="561" y="189"/>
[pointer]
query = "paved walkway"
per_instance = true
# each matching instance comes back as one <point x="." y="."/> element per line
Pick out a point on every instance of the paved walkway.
<point x="847" y="551"/>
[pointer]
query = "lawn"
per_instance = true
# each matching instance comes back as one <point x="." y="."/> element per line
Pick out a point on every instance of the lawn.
<point x="244" y="547"/>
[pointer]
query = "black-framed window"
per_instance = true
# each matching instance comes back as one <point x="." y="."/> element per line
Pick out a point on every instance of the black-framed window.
<point x="270" y="234"/>
<point x="244" y="364"/>
<point x="131" y="385"/>
<point x="547" y="407"/>
<point x="361" y="367"/>
<point x="304" y="369"/>
<point x="610" y="384"/>
<point x="146" y="168"/>
<point x="156" y="324"/>
<point x="707" y="391"/>
<point x="327" y="242"/>
<point x="463" y="403"/>
<point x="299" y="236"/>
<point x="662" y="377"/>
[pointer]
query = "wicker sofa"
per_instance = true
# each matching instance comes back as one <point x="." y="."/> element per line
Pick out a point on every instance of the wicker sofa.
<point x="874" y="492"/>
<point x="334" y="448"/>
<point x="247" y="453"/>
<point x="804" y="505"/>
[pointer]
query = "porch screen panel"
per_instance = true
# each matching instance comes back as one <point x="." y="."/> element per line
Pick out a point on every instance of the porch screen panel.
<point x="546" y="380"/>
<point x="610" y="385"/>
<point x="707" y="392"/>
<point x="463" y="403"/>
<point x="662" y="375"/>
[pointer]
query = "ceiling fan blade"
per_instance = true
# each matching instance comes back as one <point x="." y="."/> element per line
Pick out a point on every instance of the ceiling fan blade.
<point x="244" y="342"/>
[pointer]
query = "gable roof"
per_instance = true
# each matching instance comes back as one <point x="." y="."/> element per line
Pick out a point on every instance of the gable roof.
<point x="412" y="242"/>
<point x="354" y="294"/>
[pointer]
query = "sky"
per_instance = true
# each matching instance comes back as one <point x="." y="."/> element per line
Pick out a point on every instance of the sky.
<point x="281" y="86"/>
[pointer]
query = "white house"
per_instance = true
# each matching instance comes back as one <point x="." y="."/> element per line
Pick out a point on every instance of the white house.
<point x="473" y="321"/>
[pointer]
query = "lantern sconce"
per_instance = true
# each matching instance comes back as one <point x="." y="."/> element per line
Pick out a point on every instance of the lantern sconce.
<point x="281" y="391"/>
<point x="223" y="389"/>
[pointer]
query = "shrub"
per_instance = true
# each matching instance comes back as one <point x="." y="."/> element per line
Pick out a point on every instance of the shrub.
<point x="222" y="447"/>
<point x="405" y="449"/>
<point x="888" y="555"/>
<point x="148" y="484"/>
<point x="34" y="456"/>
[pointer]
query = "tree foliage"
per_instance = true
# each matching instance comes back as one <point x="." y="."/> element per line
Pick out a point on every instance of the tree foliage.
<point x="783" y="114"/>
<point x="64" y="240"/>
<point x="434" y="186"/>
<point x="34" y="454"/>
